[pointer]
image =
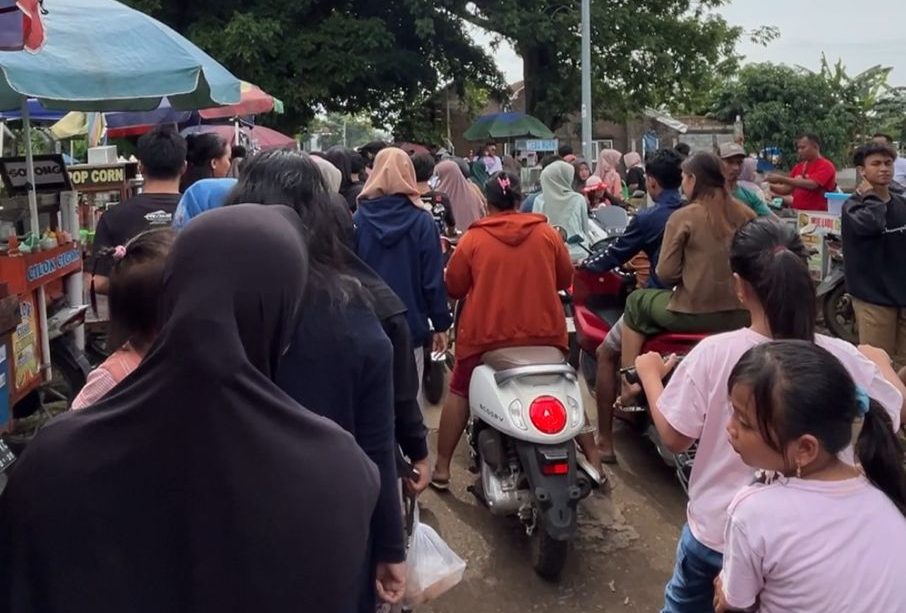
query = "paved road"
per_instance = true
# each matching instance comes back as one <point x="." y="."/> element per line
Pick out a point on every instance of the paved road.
<point x="621" y="560"/>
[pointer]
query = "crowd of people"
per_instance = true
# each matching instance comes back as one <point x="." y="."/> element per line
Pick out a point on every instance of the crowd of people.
<point x="244" y="445"/>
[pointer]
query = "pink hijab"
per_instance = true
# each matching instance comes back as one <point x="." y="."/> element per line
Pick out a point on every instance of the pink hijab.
<point x="466" y="201"/>
<point x="608" y="162"/>
<point x="393" y="174"/>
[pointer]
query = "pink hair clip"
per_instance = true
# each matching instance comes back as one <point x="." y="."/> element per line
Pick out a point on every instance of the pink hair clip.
<point x="119" y="252"/>
<point x="504" y="183"/>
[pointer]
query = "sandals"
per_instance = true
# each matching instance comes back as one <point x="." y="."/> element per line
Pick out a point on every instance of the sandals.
<point x="440" y="485"/>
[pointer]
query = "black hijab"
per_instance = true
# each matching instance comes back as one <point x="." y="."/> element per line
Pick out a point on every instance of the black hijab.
<point x="197" y="485"/>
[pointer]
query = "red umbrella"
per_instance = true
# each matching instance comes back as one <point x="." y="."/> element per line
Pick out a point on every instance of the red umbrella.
<point x="259" y="137"/>
<point x="253" y="102"/>
<point x="21" y="26"/>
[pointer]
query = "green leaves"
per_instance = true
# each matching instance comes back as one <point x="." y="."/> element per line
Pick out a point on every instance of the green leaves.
<point x="777" y="103"/>
<point x="344" y="56"/>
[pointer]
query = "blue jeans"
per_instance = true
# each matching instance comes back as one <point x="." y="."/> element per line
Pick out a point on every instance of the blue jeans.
<point x="691" y="589"/>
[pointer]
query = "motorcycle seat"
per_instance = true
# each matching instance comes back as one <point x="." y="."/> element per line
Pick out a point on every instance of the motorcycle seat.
<point x="516" y="357"/>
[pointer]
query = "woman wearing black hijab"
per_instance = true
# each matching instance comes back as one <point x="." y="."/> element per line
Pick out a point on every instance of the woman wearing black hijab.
<point x="340" y="364"/>
<point x="197" y="485"/>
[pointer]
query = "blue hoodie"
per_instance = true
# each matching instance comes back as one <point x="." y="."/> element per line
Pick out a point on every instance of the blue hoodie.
<point x="400" y="242"/>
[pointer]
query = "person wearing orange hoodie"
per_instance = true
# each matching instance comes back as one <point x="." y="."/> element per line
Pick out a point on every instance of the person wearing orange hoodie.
<point x="504" y="262"/>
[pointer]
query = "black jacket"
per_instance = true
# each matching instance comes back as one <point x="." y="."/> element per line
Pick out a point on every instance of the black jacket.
<point x="874" y="244"/>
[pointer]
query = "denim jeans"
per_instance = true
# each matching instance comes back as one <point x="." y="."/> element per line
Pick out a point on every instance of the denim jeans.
<point x="691" y="589"/>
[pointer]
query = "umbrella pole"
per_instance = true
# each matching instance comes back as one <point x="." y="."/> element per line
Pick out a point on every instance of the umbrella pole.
<point x="36" y="231"/>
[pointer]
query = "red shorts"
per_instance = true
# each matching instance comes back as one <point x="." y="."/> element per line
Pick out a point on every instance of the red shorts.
<point x="462" y="375"/>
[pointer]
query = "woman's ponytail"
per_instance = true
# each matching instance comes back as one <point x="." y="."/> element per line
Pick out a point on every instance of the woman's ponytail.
<point x="881" y="455"/>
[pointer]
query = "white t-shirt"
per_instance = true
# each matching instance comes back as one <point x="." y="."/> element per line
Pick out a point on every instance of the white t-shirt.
<point x="899" y="170"/>
<point x="697" y="404"/>
<point x="806" y="545"/>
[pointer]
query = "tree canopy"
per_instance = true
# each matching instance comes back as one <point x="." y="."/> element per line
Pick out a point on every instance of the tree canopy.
<point x="346" y="56"/>
<point x="777" y="103"/>
<point x="643" y="53"/>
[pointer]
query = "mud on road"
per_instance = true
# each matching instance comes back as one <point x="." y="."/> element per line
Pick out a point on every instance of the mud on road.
<point x="620" y="561"/>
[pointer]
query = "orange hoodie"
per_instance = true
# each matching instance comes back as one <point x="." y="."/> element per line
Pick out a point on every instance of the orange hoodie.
<point x="509" y="267"/>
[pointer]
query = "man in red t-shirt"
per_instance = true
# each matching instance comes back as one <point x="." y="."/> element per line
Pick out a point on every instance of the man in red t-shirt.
<point x="810" y="178"/>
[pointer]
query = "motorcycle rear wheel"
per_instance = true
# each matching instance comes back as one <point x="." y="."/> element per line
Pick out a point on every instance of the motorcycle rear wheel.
<point x="839" y="315"/>
<point x="433" y="381"/>
<point x="548" y="555"/>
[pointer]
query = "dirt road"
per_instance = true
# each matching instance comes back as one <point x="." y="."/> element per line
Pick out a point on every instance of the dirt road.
<point x="621" y="560"/>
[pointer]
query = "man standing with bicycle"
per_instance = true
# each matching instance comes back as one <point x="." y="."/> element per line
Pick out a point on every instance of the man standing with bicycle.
<point x="874" y="239"/>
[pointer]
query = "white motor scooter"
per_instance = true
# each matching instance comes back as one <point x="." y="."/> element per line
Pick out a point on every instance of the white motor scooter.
<point x="526" y="410"/>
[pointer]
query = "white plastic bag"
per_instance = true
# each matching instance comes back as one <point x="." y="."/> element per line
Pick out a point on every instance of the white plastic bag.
<point x="433" y="568"/>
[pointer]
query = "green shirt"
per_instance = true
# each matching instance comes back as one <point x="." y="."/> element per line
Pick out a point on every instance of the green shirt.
<point x="752" y="201"/>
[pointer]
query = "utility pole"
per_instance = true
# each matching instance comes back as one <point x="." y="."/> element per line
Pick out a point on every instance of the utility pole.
<point x="586" y="80"/>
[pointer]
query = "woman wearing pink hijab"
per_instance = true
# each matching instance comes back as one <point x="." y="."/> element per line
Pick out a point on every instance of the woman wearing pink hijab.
<point x="608" y="162"/>
<point x="466" y="200"/>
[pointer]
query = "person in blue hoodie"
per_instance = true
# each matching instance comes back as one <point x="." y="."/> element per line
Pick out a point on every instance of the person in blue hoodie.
<point x="201" y="196"/>
<point x="397" y="237"/>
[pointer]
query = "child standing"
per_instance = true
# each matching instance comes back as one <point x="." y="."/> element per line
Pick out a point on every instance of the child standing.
<point x="135" y="287"/>
<point x="768" y="261"/>
<point x="826" y="536"/>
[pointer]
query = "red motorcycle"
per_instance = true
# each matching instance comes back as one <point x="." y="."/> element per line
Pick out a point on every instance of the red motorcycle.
<point x="598" y="302"/>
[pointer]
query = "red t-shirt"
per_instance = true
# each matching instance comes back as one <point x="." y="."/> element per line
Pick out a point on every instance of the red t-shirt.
<point x="822" y="172"/>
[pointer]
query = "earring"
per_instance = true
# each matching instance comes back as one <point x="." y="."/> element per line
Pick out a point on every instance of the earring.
<point x="798" y="471"/>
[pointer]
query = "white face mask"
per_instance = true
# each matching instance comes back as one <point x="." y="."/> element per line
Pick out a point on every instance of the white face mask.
<point x="433" y="182"/>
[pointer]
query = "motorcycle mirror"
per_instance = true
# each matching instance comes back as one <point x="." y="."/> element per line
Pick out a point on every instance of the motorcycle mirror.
<point x="575" y="240"/>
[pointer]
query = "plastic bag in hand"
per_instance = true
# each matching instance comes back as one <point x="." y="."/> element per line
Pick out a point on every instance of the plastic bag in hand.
<point x="434" y="568"/>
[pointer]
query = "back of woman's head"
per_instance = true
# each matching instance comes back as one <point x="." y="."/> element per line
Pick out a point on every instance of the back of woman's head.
<point x="225" y="304"/>
<point x="293" y="179"/>
<point x="202" y="150"/>
<point x="771" y="258"/>
<point x="725" y="213"/>
<point x="503" y="191"/>
<point x="135" y="288"/>
<point x="799" y="389"/>
<point x="341" y="157"/>
<point x="558" y="176"/>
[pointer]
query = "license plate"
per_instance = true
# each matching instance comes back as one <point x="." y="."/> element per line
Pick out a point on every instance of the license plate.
<point x="570" y="325"/>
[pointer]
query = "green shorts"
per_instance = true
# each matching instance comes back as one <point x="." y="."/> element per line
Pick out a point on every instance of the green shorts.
<point x="647" y="313"/>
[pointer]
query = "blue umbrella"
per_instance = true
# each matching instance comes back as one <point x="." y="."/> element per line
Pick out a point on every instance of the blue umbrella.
<point x="36" y="112"/>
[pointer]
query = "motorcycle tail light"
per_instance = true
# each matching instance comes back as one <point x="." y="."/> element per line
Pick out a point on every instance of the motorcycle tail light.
<point x="558" y="468"/>
<point x="548" y="414"/>
<point x="515" y="409"/>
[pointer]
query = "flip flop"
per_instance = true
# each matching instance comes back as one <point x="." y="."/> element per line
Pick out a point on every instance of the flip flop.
<point x="440" y="485"/>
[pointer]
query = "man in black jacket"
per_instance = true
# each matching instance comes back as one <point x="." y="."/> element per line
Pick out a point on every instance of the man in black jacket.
<point x="874" y="243"/>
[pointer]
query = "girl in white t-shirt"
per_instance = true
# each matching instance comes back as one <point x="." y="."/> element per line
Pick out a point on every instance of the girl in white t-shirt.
<point x="768" y="260"/>
<point x="824" y="535"/>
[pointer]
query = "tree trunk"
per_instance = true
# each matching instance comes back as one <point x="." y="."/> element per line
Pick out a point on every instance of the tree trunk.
<point x="537" y="60"/>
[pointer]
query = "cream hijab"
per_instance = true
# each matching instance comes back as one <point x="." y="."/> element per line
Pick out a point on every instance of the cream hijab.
<point x="467" y="204"/>
<point x="393" y="174"/>
<point x="331" y="174"/>
<point x="608" y="162"/>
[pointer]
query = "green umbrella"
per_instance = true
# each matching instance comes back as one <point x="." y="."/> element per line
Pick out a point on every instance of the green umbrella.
<point x="507" y="125"/>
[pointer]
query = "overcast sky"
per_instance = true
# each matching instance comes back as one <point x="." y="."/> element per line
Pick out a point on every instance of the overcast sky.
<point x="862" y="35"/>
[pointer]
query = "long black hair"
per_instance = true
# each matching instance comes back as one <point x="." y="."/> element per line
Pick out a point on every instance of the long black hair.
<point x="293" y="179"/>
<point x="503" y="191"/>
<point x="201" y="150"/>
<point x="341" y="157"/>
<point x="799" y="388"/>
<point x="771" y="258"/>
